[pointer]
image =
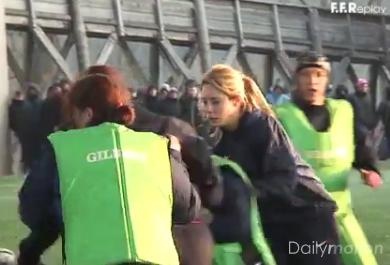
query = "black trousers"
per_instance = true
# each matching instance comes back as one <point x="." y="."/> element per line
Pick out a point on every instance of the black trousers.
<point x="32" y="247"/>
<point x="310" y="240"/>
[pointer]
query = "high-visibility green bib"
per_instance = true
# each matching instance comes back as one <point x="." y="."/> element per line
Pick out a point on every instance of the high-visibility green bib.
<point x="330" y="153"/>
<point x="230" y="253"/>
<point x="116" y="195"/>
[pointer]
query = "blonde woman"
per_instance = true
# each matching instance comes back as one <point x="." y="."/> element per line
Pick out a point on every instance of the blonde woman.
<point x="297" y="213"/>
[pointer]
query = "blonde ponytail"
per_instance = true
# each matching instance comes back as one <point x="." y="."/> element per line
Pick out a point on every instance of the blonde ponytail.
<point x="235" y="84"/>
<point x="254" y="98"/>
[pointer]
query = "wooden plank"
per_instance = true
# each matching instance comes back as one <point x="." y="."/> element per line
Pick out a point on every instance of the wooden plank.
<point x="160" y="19"/>
<point x="53" y="52"/>
<point x="240" y="31"/>
<point x="385" y="41"/>
<point x="259" y="31"/>
<point x="335" y="35"/>
<point x="80" y="35"/>
<point x="119" y="18"/>
<point x="232" y="54"/>
<point x="31" y="13"/>
<point x="16" y="69"/>
<point x="96" y="4"/>
<point x="15" y="4"/>
<point x="314" y="26"/>
<point x="100" y="13"/>
<point x="352" y="74"/>
<point x="385" y="72"/>
<point x="256" y="42"/>
<point x="154" y="64"/>
<point x="294" y="35"/>
<point x="52" y="7"/>
<point x="293" y="23"/>
<point x="221" y="18"/>
<point x="107" y="49"/>
<point x="32" y="23"/>
<point x="179" y="21"/>
<point x="28" y="61"/>
<point x="282" y="70"/>
<point x="362" y="33"/>
<point x="190" y="57"/>
<point x="130" y="17"/>
<point x="132" y="61"/>
<point x="161" y="56"/>
<point x="276" y="27"/>
<point x="243" y="61"/>
<point x="67" y="45"/>
<point x="367" y="34"/>
<point x="65" y="51"/>
<point x="141" y="6"/>
<point x="180" y="9"/>
<point x="339" y="74"/>
<point x="286" y="66"/>
<point x="189" y="60"/>
<point x="219" y="25"/>
<point x="250" y="13"/>
<point x="350" y="35"/>
<point x="203" y="34"/>
<point x="264" y="20"/>
<point x="285" y="3"/>
<point x="175" y="59"/>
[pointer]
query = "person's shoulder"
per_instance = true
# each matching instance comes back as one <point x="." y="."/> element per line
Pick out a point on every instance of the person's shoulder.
<point x="258" y="118"/>
<point x="341" y="104"/>
<point x="284" y="108"/>
<point x="253" y="118"/>
<point x="351" y="98"/>
<point x="179" y="127"/>
<point x="255" y="123"/>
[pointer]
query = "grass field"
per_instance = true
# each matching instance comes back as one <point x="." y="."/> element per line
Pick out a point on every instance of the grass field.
<point x="371" y="208"/>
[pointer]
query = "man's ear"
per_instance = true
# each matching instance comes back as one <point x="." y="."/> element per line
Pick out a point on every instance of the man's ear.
<point x="88" y="114"/>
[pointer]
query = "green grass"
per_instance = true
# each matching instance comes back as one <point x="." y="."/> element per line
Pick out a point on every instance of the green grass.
<point x="371" y="208"/>
<point x="11" y="229"/>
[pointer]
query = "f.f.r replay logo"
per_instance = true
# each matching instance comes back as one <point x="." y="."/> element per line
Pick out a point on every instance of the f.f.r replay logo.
<point x="344" y="7"/>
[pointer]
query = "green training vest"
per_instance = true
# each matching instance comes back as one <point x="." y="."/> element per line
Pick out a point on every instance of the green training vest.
<point x="330" y="153"/>
<point x="116" y="196"/>
<point x="229" y="254"/>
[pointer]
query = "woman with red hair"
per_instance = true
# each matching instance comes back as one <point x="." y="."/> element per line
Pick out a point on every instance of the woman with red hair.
<point x="193" y="241"/>
<point x="96" y="183"/>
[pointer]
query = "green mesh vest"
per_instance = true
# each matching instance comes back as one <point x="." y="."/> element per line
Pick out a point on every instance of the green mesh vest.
<point x="229" y="253"/>
<point x="330" y="153"/>
<point x="116" y="196"/>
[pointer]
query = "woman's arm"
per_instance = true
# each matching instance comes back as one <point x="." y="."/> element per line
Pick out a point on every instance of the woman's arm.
<point x="186" y="201"/>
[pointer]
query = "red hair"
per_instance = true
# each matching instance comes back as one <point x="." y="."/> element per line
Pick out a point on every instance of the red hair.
<point x="115" y="75"/>
<point x="103" y="89"/>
